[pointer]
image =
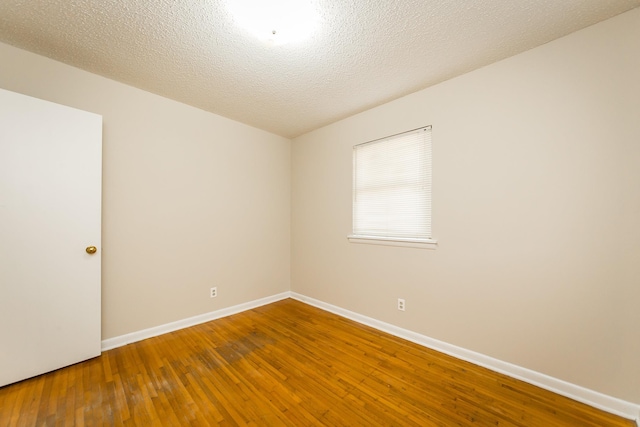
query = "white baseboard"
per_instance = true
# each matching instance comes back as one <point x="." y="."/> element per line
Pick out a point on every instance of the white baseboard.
<point x="593" y="398"/>
<point x="121" y="340"/>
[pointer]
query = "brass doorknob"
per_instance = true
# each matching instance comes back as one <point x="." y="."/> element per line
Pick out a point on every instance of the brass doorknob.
<point x="91" y="250"/>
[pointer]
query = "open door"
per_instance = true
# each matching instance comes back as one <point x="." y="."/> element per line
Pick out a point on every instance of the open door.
<point x="50" y="224"/>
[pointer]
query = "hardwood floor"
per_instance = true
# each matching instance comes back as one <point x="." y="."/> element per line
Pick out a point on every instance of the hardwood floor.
<point x="284" y="364"/>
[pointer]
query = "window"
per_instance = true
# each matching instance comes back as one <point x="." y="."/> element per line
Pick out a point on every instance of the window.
<point x="392" y="190"/>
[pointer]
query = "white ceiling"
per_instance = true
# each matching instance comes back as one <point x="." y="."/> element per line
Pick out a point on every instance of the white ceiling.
<point x="364" y="53"/>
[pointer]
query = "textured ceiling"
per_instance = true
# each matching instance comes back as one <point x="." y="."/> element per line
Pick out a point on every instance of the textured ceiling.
<point x="362" y="54"/>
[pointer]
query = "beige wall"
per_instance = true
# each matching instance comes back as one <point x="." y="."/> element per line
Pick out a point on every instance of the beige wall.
<point x="190" y="199"/>
<point x="536" y="209"/>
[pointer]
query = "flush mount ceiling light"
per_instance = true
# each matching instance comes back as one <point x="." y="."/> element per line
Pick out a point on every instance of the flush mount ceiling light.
<point x="275" y="21"/>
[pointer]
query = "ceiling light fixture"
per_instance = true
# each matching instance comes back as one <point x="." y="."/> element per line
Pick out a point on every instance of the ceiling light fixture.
<point x="275" y="21"/>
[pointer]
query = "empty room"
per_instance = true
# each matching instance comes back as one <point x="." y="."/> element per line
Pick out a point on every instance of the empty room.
<point x="320" y="212"/>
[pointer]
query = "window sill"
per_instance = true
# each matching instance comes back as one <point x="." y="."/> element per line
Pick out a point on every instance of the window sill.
<point x="394" y="241"/>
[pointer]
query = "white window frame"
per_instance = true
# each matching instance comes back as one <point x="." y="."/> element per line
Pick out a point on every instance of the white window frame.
<point x="386" y="237"/>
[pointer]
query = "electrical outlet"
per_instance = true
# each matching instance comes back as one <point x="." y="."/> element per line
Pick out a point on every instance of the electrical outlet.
<point x="214" y="292"/>
<point x="401" y="304"/>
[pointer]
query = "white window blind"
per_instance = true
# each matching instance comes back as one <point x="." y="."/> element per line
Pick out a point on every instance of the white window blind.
<point x="392" y="187"/>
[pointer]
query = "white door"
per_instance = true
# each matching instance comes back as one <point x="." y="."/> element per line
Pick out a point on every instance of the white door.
<point x="50" y="212"/>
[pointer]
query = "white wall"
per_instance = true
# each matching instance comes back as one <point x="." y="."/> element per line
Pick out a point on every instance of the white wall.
<point x="536" y="209"/>
<point x="190" y="199"/>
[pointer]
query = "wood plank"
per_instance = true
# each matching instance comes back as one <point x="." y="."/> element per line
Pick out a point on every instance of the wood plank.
<point x="285" y="364"/>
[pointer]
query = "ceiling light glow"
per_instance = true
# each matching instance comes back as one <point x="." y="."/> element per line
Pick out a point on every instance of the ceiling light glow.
<point x="275" y="21"/>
